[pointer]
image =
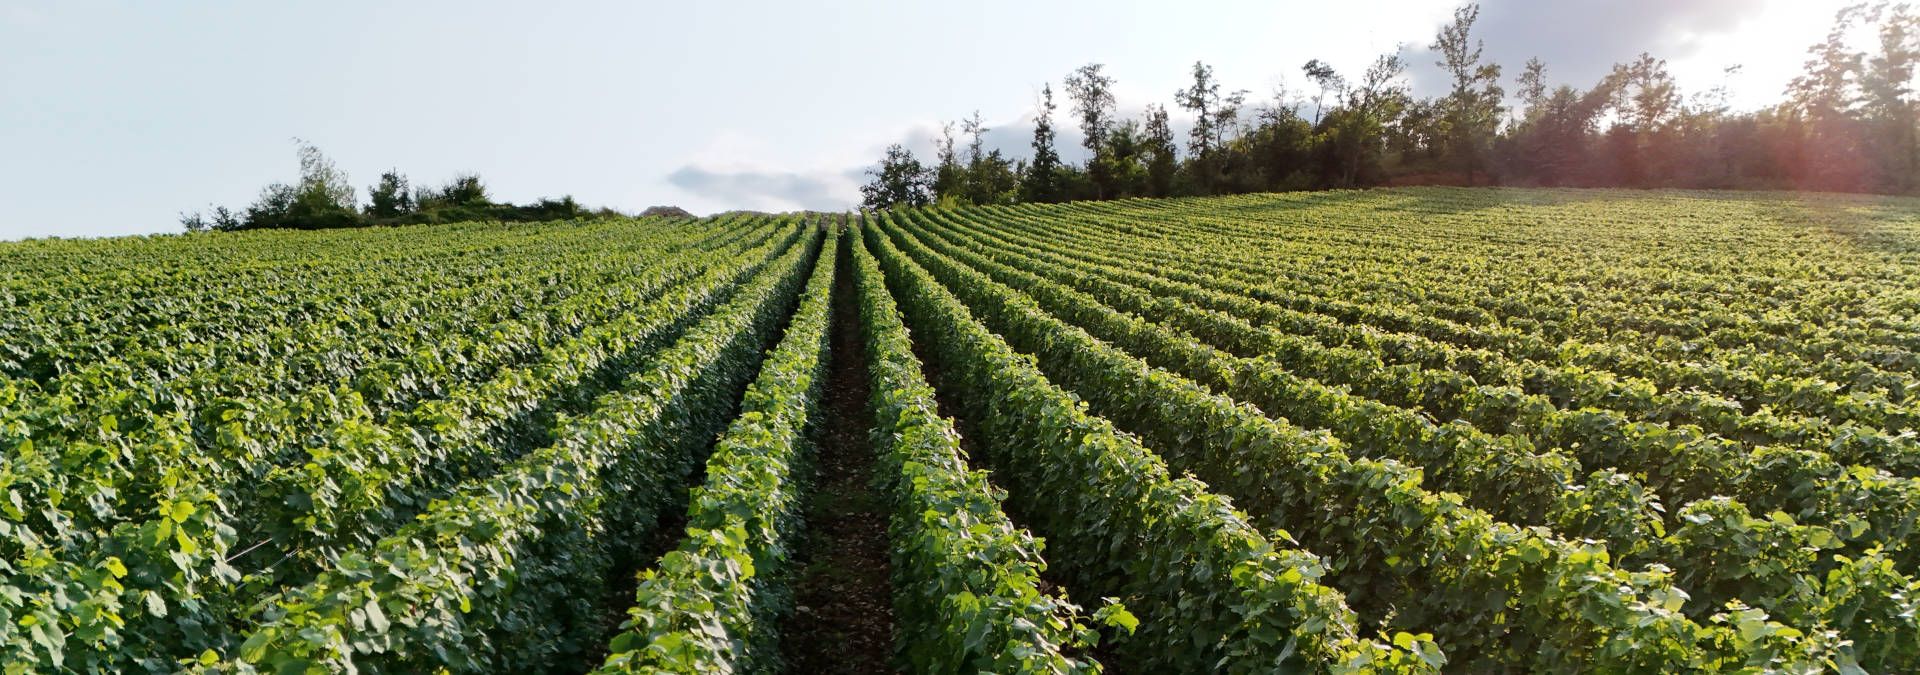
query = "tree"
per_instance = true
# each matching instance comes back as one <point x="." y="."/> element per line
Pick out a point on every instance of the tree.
<point x="1415" y="139"/>
<point x="1551" y="142"/>
<point x="976" y="130"/>
<point x="465" y="190"/>
<point x="1126" y="160"/>
<point x="1533" y="85"/>
<point x="1826" y="90"/>
<point x="219" y="219"/>
<point x="1226" y="116"/>
<point x="948" y="174"/>
<point x="390" y="198"/>
<point x="989" y="177"/>
<point x="224" y="219"/>
<point x="1472" y="111"/>
<point x="321" y="183"/>
<point x="1212" y="117"/>
<point x="1887" y="92"/>
<point x="1647" y="94"/>
<point x="899" y="181"/>
<point x="1280" y="151"/>
<point x="322" y="198"/>
<point x="1042" y="180"/>
<point x="1646" y="100"/>
<point x="1092" y="95"/>
<point x="1164" y="162"/>
<point x="1354" y="135"/>
<point x="1323" y="75"/>
<point x="1825" y="97"/>
<point x="1201" y="99"/>
<point x="1278" y="148"/>
<point x="993" y="179"/>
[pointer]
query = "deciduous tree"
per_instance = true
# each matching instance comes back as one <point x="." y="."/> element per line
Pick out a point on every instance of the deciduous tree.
<point x="899" y="181"/>
<point x="1041" y="182"/>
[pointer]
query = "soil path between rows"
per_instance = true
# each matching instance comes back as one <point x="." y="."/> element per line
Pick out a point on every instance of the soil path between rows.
<point x="843" y="596"/>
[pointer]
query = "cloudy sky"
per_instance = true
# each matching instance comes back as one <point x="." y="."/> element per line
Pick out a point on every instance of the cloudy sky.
<point x="115" y="116"/>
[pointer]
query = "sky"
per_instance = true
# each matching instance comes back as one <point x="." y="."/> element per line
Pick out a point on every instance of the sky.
<point x="115" y="117"/>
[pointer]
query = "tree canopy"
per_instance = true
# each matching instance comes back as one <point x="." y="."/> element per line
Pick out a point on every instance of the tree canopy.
<point x="1849" y="122"/>
<point x="323" y="198"/>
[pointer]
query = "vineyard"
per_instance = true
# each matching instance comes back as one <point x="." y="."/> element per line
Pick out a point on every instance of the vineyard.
<point x="1418" y="430"/>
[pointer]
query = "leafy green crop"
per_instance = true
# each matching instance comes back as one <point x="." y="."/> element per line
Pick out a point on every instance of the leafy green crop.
<point x="1407" y="430"/>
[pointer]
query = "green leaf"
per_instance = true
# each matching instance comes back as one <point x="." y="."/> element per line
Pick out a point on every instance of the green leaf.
<point x="255" y="648"/>
<point x="1116" y="615"/>
<point x="156" y="605"/>
<point x="179" y="512"/>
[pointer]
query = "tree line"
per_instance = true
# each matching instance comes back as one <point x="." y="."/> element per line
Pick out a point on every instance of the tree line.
<point x="1847" y="123"/>
<point x="323" y="198"/>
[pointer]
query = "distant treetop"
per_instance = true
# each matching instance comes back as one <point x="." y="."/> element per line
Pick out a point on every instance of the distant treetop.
<point x="323" y="199"/>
